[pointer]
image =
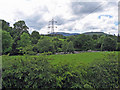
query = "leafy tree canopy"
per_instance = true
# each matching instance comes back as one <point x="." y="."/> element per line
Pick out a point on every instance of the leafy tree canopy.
<point x="7" y="42"/>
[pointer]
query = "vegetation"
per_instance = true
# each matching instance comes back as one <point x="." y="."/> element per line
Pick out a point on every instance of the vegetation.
<point x="38" y="72"/>
<point x="30" y="60"/>
<point x="6" y="42"/>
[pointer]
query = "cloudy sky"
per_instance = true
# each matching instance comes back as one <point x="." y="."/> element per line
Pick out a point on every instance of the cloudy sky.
<point x="72" y="16"/>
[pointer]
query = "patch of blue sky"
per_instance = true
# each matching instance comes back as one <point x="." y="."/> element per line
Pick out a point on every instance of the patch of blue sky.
<point x="99" y="17"/>
<point x="116" y="23"/>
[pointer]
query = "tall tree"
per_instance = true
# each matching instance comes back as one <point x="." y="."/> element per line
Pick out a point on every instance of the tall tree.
<point x="65" y="47"/>
<point x="0" y="41"/>
<point x="5" y="26"/>
<point x="35" y="37"/>
<point x="19" y="28"/>
<point x="7" y="42"/>
<point x="109" y="44"/>
<point x="118" y="38"/>
<point x="45" y="45"/>
<point x="94" y="37"/>
<point x="81" y="40"/>
<point x="24" y="42"/>
<point x="70" y="47"/>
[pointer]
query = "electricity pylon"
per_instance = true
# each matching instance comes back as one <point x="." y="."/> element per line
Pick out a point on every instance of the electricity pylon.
<point x="52" y="25"/>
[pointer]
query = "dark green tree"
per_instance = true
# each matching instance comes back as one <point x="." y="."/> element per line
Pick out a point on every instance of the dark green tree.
<point x="19" y="28"/>
<point x="45" y="45"/>
<point x="7" y="42"/>
<point x="118" y="46"/>
<point x="118" y="39"/>
<point x="94" y="37"/>
<point x="35" y="36"/>
<point x="24" y="42"/>
<point x="80" y="41"/>
<point x="5" y="26"/>
<point x="0" y="40"/>
<point x="65" y="47"/>
<point x="109" y="44"/>
<point x="70" y="47"/>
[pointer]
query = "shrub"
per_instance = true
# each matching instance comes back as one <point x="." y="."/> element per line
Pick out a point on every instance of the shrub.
<point x="26" y="72"/>
<point x="104" y="74"/>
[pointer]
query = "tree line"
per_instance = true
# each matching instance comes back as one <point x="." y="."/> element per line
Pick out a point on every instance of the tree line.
<point x="17" y="40"/>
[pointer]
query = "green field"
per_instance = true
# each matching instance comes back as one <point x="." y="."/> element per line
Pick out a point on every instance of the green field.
<point x="84" y="58"/>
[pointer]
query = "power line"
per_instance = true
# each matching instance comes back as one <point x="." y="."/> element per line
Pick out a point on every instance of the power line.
<point x="94" y="10"/>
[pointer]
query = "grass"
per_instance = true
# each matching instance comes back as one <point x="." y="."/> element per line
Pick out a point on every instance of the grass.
<point x="62" y="39"/>
<point x="85" y="58"/>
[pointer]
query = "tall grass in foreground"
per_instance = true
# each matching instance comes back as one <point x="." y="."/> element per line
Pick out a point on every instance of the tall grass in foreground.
<point x="37" y="72"/>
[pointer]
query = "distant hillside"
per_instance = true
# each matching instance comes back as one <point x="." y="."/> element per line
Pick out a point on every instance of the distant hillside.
<point x="92" y="33"/>
<point x="86" y="33"/>
<point x="66" y="34"/>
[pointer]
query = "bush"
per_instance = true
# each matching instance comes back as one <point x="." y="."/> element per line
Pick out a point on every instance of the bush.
<point x="26" y="72"/>
<point x="47" y="53"/>
<point x="104" y="74"/>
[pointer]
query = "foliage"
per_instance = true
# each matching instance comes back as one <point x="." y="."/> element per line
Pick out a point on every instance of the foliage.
<point x="95" y="37"/>
<point x="70" y="47"/>
<point x="109" y="44"/>
<point x="45" y="45"/>
<point x="6" y="42"/>
<point x="57" y="44"/>
<point x="118" y="39"/>
<point x="83" y="42"/>
<point x="104" y="74"/>
<point x="20" y="26"/>
<point x="118" y="46"/>
<point x="35" y="37"/>
<point x="26" y="72"/>
<point x="24" y="43"/>
<point x="36" y="72"/>
<point x="0" y="41"/>
<point x="65" y="47"/>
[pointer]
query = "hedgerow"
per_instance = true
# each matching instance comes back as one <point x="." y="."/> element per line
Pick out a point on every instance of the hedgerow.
<point x="36" y="72"/>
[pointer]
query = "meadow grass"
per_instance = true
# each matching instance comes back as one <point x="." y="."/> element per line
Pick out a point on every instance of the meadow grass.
<point x="84" y="58"/>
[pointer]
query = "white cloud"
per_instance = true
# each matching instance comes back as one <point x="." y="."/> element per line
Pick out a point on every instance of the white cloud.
<point x="45" y="10"/>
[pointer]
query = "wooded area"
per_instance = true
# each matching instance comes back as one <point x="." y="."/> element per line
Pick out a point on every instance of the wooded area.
<point x="18" y="41"/>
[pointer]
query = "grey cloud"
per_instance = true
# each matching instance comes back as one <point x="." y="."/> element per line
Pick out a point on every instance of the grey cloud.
<point x="92" y="27"/>
<point x="60" y="20"/>
<point x="36" y="22"/>
<point x="80" y="8"/>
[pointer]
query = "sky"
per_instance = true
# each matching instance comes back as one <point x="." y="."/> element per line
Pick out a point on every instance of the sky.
<point x="72" y="16"/>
